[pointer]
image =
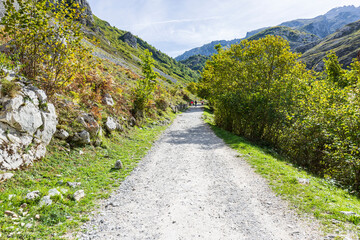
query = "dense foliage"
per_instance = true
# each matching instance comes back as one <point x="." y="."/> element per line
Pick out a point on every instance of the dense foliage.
<point x="46" y="39"/>
<point x="261" y="91"/>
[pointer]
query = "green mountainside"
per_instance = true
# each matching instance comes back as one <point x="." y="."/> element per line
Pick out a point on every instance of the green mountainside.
<point x="127" y="48"/>
<point x="296" y="38"/>
<point x="196" y="62"/>
<point x="207" y="49"/>
<point x="345" y="43"/>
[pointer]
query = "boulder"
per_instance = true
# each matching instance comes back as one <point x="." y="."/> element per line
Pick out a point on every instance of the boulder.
<point x="33" y="195"/>
<point x="174" y="108"/>
<point x="54" y="192"/>
<point x="6" y="176"/>
<point x="111" y="124"/>
<point x="89" y="123"/>
<point x="81" y="138"/>
<point x="129" y="39"/>
<point x="27" y="125"/>
<point x="108" y="100"/>
<point x="45" y="201"/>
<point x="61" y="134"/>
<point x="78" y="195"/>
<point x="118" y="165"/>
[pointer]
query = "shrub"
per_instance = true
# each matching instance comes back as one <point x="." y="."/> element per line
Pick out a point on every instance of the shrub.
<point x="259" y="90"/>
<point x="46" y="39"/>
<point x="9" y="88"/>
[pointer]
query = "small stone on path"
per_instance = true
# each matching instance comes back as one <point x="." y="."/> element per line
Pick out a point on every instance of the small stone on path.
<point x="78" y="195"/>
<point x="118" y="165"/>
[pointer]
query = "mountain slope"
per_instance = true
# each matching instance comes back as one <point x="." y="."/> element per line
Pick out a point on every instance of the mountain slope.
<point x="207" y="49"/>
<point x="124" y="48"/>
<point x="345" y="43"/>
<point x="296" y="38"/>
<point x="196" y="62"/>
<point x="328" y="23"/>
<point x="320" y="26"/>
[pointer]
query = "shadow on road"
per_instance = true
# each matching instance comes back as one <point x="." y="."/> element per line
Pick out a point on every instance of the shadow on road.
<point x="194" y="132"/>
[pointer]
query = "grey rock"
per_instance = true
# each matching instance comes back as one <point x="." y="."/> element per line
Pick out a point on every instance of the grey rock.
<point x="132" y="121"/>
<point x="63" y="190"/>
<point x="303" y="181"/>
<point x="45" y="201"/>
<point x="73" y="184"/>
<point x="174" y="108"/>
<point x="33" y="195"/>
<point x="6" y="176"/>
<point x="26" y="127"/>
<point x="89" y="123"/>
<point x="349" y="213"/>
<point x="129" y="39"/>
<point x="81" y="138"/>
<point x="108" y="100"/>
<point x="11" y="196"/>
<point x="78" y="195"/>
<point x="54" y="192"/>
<point x="29" y="225"/>
<point x="61" y="134"/>
<point x="110" y="124"/>
<point x="119" y="127"/>
<point x="119" y="165"/>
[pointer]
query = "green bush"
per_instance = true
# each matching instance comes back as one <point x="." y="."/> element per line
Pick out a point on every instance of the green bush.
<point x="259" y="90"/>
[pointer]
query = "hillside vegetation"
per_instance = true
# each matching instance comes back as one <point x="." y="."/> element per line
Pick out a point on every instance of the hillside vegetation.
<point x="112" y="99"/>
<point x="196" y="62"/>
<point x="345" y="43"/>
<point x="295" y="38"/>
<point x="260" y="90"/>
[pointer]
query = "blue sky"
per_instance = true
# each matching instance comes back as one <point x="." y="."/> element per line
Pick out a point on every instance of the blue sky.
<point x="174" y="26"/>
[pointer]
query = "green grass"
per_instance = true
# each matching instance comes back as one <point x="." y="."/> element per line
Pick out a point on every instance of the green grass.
<point x="319" y="199"/>
<point x="92" y="167"/>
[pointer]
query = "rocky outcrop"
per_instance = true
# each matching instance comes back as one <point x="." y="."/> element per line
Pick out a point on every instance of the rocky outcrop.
<point x="129" y="39"/>
<point x="27" y="124"/>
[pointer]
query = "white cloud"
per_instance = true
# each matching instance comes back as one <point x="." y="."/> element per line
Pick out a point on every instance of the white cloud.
<point x="174" y="26"/>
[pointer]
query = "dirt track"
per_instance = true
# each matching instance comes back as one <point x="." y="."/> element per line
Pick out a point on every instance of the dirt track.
<point x="192" y="186"/>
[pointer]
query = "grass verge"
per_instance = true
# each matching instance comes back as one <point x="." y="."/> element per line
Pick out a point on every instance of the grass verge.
<point x="92" y="167"/>
<point x="337" y="210"/>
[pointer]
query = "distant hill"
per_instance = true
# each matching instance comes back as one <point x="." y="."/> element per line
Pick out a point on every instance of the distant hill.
<point x="311" y="30"/>
<point x="295" y="37"/>
<point x="207" y="49"/>
<point x="196" y="62"/>
<point x="345" y="43"/>
<point x="328" y="23"/>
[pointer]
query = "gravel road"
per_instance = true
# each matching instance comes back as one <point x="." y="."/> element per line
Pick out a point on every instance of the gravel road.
<point x="192" y="186"/>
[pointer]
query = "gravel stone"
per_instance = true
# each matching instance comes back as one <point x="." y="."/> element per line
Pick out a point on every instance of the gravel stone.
<point x="192" y="186"/>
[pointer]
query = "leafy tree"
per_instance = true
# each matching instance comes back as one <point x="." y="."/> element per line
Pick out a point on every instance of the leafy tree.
<point x="146" y="85"/>
<point x="259" y="90"/>
<point x="334" y="71"/>
<point x="47" y="40"/>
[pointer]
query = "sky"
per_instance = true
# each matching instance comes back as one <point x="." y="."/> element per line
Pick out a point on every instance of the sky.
<point x="175" y="26"/>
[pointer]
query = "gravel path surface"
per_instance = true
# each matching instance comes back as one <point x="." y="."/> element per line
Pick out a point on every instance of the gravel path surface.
<point x="192" y="186"/>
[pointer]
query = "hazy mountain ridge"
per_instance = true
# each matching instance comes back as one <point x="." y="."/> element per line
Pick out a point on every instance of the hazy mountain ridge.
<point x="310" y="30"/>
<point x="295" y="37"/>
<point x="345" y="43"/>
<point x="328" y="23"/>
<point x="207" y="49"/>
